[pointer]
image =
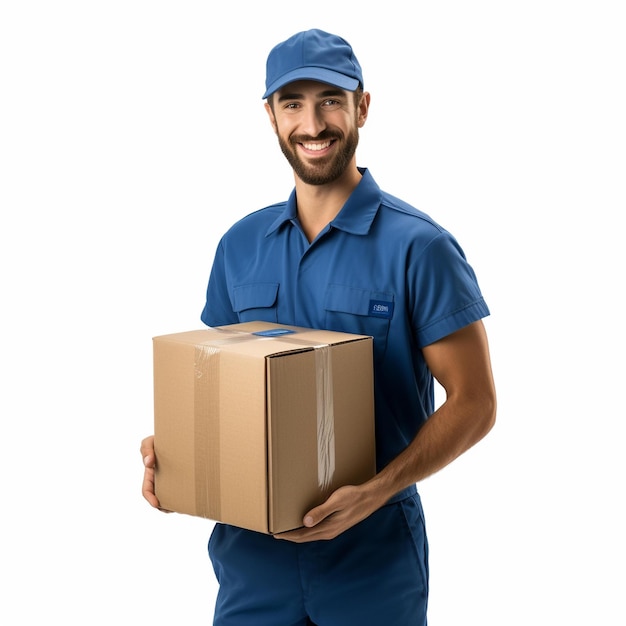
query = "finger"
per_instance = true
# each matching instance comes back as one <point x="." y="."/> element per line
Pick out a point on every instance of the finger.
<point x="319" y="514"/>
<point x="147" y="488"/>
<point x="301" y="535"/>
<point x="147" y="446"/>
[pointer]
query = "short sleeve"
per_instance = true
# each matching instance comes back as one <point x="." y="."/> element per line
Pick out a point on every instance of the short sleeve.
<point x="445" y="291"/>
<point x="218" y="309"/>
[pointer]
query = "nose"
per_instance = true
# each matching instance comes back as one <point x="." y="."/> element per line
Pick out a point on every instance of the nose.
<point x="312" y="122"/>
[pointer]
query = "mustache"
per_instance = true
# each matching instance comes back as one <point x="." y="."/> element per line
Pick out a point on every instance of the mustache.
<point x="325" y="135"/>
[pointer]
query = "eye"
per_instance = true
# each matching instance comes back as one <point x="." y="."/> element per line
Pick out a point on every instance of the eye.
<point x="332" y="104"/>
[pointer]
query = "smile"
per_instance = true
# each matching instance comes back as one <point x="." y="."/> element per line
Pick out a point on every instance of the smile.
<point x="315" y="147"/>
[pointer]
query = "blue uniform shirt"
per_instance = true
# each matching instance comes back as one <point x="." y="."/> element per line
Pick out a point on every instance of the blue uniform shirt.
<point x="380" y="268"/>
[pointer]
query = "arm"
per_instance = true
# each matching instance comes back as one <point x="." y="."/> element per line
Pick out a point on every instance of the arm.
<point x="461" y="364"/>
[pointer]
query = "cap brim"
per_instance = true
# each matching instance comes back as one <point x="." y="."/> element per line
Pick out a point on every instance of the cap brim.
<point x="319" y="74"/>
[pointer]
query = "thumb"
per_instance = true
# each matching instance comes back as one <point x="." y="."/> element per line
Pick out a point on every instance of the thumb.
<point x="318" y="514"/>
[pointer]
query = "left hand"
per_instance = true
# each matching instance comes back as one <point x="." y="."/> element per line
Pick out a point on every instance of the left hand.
<point x="344" y="508"/>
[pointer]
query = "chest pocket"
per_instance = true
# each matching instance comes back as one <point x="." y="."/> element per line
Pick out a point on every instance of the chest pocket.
<point x="360" y="311"/>
<point x="256" y="302"/>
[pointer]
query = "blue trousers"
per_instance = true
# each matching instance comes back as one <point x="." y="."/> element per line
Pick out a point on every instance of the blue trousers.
<point x="374" y="574"/>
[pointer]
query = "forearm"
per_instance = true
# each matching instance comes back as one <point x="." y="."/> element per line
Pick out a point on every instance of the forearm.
<point x="452" y="430"/>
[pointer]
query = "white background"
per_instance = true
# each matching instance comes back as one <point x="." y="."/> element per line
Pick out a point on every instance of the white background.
<point x="132" y="134"/>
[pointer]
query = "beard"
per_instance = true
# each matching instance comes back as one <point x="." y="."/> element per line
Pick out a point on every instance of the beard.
<point x="324" y="170"/>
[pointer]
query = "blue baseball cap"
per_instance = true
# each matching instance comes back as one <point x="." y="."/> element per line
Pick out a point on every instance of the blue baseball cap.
<point x="313" y="55"/>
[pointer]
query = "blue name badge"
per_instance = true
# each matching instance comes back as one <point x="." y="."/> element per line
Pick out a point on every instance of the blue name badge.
<point x="381" y="308"/>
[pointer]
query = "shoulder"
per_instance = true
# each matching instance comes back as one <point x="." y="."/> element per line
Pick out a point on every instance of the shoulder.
<point x="412" y="214"/>
<point x="255" y="224"/>
<point x="405" y="222"/>
<point x="390" y="211"/>
<point x="266" y="215"/>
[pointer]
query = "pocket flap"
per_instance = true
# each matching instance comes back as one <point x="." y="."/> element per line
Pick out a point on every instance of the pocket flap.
<point x="357" y="301"/>
<point x="254" y="296"/>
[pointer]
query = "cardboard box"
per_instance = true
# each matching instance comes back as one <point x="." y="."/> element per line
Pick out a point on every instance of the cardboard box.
<point x="256" y="423"/>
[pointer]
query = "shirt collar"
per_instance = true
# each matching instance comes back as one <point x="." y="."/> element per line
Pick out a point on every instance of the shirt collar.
<point x="356" y="215"/>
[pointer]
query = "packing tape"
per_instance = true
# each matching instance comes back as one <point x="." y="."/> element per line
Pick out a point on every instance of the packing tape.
<point x="207" y="431"/>
<point x="325" y="418"/>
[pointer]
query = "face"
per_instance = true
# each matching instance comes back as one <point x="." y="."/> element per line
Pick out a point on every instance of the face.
<point x="317" y="128"/>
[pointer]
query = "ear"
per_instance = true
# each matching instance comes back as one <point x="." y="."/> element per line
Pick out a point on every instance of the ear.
<point x="363" y="109"/>
<point x="270" y="114"/>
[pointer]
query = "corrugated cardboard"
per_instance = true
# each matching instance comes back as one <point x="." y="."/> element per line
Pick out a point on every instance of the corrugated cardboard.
<point x="256" y="429"/>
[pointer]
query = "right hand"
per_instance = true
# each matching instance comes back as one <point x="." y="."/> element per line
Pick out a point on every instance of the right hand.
<point x="149" y="463"/>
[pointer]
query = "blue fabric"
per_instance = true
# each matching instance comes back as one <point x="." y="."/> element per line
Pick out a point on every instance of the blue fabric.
<point x="375" y="573"/>
<point x="312" y="55"/>
<point x="380" y="268"/>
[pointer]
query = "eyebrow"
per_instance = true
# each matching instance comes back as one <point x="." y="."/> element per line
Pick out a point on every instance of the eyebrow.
<point x="327" y="93"/>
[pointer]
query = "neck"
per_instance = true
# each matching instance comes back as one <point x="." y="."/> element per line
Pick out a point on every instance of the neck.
<point x="318" y="205"/>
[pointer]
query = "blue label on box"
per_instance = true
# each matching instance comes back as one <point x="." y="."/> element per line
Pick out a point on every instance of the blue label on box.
<point x="274" y="332"/>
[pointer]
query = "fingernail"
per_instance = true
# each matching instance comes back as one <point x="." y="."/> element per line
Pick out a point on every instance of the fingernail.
<point x="308" y="521"/>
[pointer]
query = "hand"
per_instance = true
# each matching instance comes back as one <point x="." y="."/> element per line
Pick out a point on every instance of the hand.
<point x="149" y="463"/>
<point x="344" y="508"/>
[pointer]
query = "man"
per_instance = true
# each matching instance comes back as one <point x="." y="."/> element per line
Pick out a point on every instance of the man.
<point x="341" y="254"/>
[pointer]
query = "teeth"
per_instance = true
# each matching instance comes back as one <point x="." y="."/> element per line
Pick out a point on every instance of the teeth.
<point x="316" y="146"/>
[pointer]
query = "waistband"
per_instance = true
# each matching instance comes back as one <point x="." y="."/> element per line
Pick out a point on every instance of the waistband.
<point x="407" y="492"/>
